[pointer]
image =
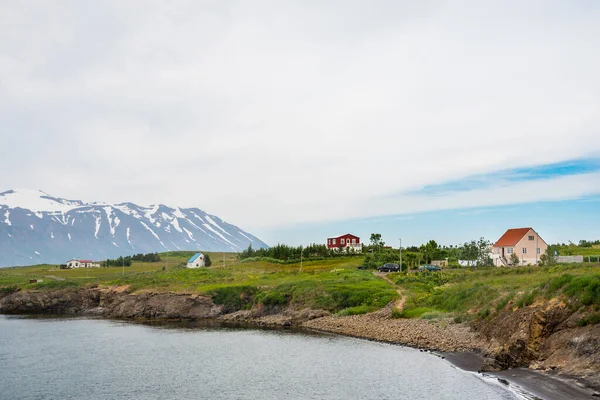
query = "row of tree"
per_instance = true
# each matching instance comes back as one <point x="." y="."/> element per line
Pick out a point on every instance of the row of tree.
<point x="150" y="257"/>
<point x="285" y="252"/>
<point x="118" y="262"/>
<point x="127" y="261"/>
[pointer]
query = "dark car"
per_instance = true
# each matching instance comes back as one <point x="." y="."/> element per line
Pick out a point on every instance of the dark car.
<point x="389" y="267"/>
<point x="429" y="267"/>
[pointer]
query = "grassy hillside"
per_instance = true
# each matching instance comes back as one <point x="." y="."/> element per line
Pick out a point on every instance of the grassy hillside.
<point x="480" y="293"/>
<point x="334" y="285"/>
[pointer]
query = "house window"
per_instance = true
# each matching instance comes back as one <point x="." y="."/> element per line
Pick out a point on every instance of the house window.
<point x="531" y="238"/>
<point x="538" y="250"/>
<point x="524" y="250"/>
<point x="343" y="241"/>
<point x="333" y="241"/>
<point x="353" y="241"/>
<point x="509" y="250"/>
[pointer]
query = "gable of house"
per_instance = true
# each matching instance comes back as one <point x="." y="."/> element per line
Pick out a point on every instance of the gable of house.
<point x="195" y="257"/>
<point x="511" y="237"/>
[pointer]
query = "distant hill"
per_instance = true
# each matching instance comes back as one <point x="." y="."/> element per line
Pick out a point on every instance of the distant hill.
<point x="36" y="227"/>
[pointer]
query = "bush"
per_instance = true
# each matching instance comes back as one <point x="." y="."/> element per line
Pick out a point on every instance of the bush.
<point x="585" y="288"/>
<point x="234" y="298"/>
<point x="271" y="298"/>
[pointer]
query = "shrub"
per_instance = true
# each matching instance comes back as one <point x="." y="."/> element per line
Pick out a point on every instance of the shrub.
<point x="271" y="298"/>
<point x="234" y="298"/>
<point x="585" y="288"/>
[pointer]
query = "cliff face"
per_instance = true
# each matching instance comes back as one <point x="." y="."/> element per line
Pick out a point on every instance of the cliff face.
<point x="544" y="336"/>
<point x="111" y="303"/>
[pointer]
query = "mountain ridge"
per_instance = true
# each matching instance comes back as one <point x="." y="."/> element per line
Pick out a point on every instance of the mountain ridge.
<point x="36" y="227"/>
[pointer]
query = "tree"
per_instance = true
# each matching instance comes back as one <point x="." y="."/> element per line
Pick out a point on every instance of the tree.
<point x="483" y="252"/>
<point x="376" y="240"/>
<point x="430" y="250"/>
<point x="469" y="251"/>
<point x="207" y="261"/>
<point x="547" y="258"/>
<point x="514" y="259"/>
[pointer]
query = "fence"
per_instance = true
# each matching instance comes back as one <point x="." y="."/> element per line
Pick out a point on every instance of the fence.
<point x="569" y="259"/>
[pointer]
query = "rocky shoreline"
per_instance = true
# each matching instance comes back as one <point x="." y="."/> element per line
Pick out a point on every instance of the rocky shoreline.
<point x="542" y="337"/>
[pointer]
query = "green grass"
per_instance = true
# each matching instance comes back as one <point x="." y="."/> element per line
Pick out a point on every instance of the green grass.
<point x="331" y="284"/>
<point x="335" y="285"/>
<point x="481" y="293"/>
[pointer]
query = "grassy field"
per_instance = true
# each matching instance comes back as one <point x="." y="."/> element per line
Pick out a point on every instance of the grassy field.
<point x="480" y="293"/>
<point x="333" y="284"/>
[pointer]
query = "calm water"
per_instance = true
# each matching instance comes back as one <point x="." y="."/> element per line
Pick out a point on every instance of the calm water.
<point x="97" y="359"/>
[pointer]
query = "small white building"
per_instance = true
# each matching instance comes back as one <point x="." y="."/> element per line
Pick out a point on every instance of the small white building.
<point x="82" y="264"/>
<point x="73" y="264"/>
<point x="196" y="261"/>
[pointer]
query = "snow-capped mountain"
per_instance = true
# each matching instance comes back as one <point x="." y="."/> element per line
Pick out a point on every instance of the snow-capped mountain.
<point x="38" y="228"/>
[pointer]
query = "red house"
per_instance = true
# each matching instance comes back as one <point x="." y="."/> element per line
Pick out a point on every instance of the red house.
<point x="345" y="241"/>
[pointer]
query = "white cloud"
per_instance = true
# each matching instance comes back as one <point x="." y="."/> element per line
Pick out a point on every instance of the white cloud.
<point x="276" y="113"/>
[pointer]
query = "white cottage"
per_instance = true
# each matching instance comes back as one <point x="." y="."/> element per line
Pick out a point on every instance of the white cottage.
<point x="73" y="264"/>
<point x="196" y="261"/>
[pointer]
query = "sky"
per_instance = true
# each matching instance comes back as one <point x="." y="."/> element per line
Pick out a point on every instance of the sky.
<point x="300" y="120"/>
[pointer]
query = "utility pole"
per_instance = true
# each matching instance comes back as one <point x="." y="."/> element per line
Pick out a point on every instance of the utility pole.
<point x="301" y="250"/>
<point x="123" y="273"/>
<point x="400" y="250"/>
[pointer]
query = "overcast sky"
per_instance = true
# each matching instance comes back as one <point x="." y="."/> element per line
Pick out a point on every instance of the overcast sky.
<point x="272" y="114"/>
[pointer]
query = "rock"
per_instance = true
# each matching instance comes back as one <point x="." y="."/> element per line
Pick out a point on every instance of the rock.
<point x="503" y="381"/>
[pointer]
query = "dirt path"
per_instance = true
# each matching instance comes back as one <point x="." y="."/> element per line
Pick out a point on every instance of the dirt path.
<point x="399" y="305"/>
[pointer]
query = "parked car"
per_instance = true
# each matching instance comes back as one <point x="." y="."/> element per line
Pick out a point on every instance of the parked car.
<point x="389" y="267"/>
<point x="362" y="267"/>
<point x="429" y="267"/>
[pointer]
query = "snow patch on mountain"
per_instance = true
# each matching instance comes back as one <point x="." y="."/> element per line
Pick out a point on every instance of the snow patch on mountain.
<point x="36" y="201"/>
<point x="210" y="221"/>
<point x="219" y="234"/>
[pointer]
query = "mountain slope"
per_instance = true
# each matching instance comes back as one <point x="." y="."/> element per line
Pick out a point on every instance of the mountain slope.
<point x="38" y="228"/>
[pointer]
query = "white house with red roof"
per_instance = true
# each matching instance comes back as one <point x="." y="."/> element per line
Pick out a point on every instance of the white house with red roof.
<point x="526" y="243"/>
<point x="347" y="242"/>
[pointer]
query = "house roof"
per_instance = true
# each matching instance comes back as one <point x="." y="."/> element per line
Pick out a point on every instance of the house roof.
<point x="511" y="237"/>
<point x="194" y="257"/>
<point x="345" y="234"/>
<point x="86" y="261"/>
